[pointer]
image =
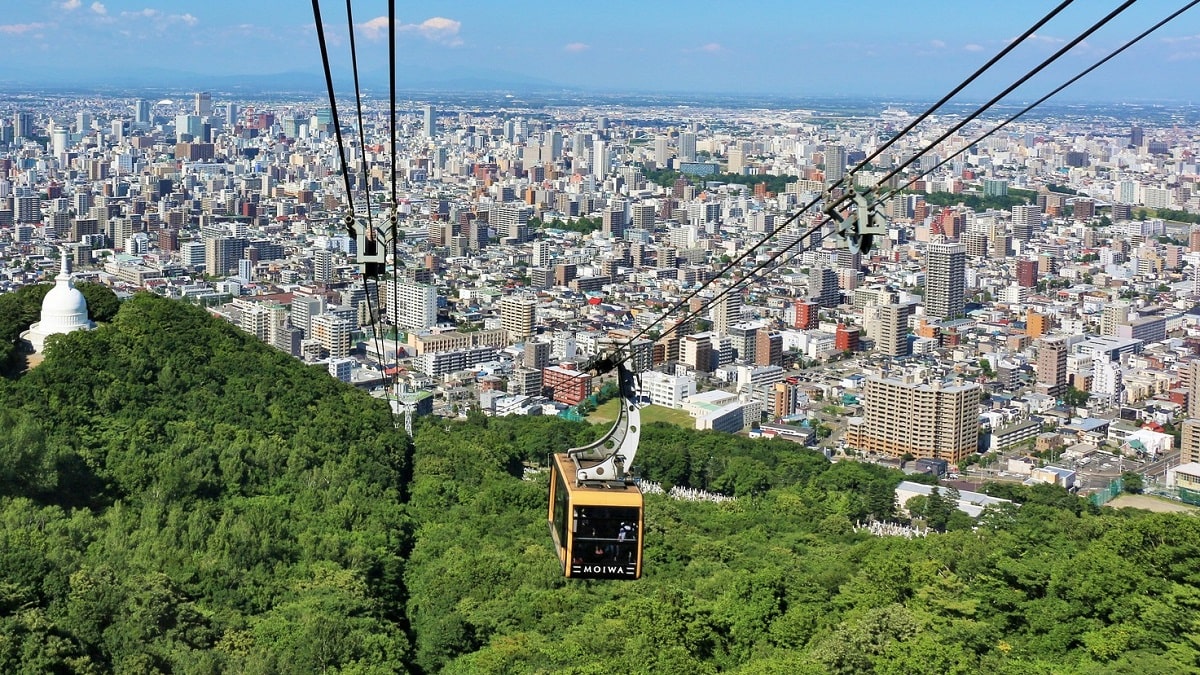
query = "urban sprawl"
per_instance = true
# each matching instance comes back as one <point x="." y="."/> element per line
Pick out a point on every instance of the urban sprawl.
<point x="1031" y="315"/>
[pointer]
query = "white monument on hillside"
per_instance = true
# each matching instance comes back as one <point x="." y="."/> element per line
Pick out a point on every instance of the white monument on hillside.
<point x="64" y="310"/>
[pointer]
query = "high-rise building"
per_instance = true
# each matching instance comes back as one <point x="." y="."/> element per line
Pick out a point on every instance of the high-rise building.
<point x="1189" y="445"/>
<point x="1051" y="366"/>
<point x="1114" y="314"/>
<point x="687" y="146"/>
<point x="322" y="266"/>
<point x="893" y="330"/>
<point x="945" y="280"/>
<point x="726" y="312"/>
<point x="807" y="314"/>
<point x="221" y="255"/>
<point x="906" y="417"/>
<point x="517" y="317"/>
<point x="141" y="112"/>
<point x="23" y="125"/>
<point x="411" y="305"/>
<point x="661" y="154"/>
<point x="744" y="337"/>
<point x="768" y="350"/>
<point x="697" y="351"/>
<point x="823" y="287"/>
<point x="333" y="334"/>
<point x="202" y="104"/>
<point x="835" y="163"/>
<point x="304" y="309"/>
<point x="430" y="117"/>
<point x="536" y="355"/>
<point x="1193" y="384"/>
<point x="1027" y="273"/>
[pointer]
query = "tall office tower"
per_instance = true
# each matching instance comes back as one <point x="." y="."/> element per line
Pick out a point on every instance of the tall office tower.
<point x="322" y="266"/>
<point x="430" y="117"/>
<point x="661" y="153"/>
<point x="202" y="104"/>
<point x="726" y="312"/>
<point x="188" y="128"/>
<point x="893" y="330"/>
<point x="1193" y="385"/>
<point x="687" y="146"/>
<point x="23" y="125"/>
<point x="601" y="158"/>
<point x="141" y="112"/>
<point x="58" y="141"/>
<point x="835" y="163"/>
<point x="1051" y="366"/>
<point x="1113" y="315"/>
<point x="1027" y="273"/>
<point x="1136" y="136"/>
<point x="517" y="317"/>
<point x="411" y="305"/>
<point x="231" y="113"/>
<point x="83" y="122"/>
<point x="945" y="280"/>
<point x="667" y="258"/>
<point x="905" y="417"/>
<point x="823" y="287"/>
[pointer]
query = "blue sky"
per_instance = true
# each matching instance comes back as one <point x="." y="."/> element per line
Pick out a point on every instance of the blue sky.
<point x="789" y="47"/>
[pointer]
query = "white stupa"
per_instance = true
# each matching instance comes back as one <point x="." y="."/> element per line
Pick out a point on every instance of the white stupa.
<point x="64" y="310"/>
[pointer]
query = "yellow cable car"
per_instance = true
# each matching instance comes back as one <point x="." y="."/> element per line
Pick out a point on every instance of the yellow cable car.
<point x="595" y="510"/>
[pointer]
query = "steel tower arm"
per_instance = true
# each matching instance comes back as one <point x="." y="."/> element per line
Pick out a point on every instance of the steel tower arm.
<point x="610" y="458"/>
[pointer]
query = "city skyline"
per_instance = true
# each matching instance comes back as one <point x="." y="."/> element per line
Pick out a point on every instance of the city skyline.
<point x="917" y="49"/>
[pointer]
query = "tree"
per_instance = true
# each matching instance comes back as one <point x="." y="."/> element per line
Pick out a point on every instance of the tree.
<point x="1075" y="398"/>
<point x="1132" y="482"/>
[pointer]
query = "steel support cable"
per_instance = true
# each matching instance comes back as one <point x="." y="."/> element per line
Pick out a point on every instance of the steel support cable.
<point x="1043" y="99"/>
<point x="1008" y="90"/>
<point x="1040" y="101"/>
<point x="337" y="125"/>
<point x="964" y="84"/>
<point x="394" y="159"/>
<point x="724" y="292"/>
<point x="362" y="149"/>
<point x="362" y="143"/>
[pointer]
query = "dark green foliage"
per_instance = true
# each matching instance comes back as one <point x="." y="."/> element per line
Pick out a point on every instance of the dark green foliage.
<point x="176" y="497"/>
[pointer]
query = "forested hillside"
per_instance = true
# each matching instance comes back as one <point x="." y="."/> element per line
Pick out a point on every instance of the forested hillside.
<point x="177" y="497"/>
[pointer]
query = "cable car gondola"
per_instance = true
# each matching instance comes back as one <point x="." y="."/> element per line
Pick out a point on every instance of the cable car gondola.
<point x="595" y="511"/>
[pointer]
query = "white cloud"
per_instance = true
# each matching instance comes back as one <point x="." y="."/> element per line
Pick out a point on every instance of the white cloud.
<point x="70" y="5"/>
<point x="20" y="28"/>
<point x="576" y="47"/>
<point x="937" y="44"/>
<point x="973" y="47"/>
<point x="712" y="48"/>
<point x="159" y="19"/>
<point x="99" y="8"/>
<point x="435" y="29"/>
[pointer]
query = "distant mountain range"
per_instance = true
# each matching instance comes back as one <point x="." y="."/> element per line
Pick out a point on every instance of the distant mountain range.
<point x="161" y="78"/>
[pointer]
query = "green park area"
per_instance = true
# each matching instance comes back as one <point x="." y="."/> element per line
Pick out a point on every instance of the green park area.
<point x="607" y="412"/>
